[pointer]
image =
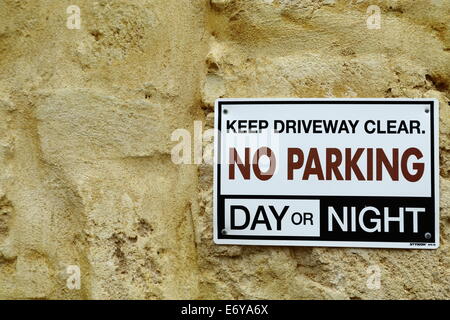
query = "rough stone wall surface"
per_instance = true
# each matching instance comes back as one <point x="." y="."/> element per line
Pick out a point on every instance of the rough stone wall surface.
<point x="86" y="117"/>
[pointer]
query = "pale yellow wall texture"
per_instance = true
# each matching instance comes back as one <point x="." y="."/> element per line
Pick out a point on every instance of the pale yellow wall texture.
<point x="86" y="176"/>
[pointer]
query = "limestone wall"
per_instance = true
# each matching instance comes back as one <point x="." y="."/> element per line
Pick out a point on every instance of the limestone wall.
<point x="86" y="117"/>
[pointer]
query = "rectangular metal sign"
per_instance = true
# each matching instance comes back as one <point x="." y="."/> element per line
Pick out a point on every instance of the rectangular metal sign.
<point x="327" y="172"/>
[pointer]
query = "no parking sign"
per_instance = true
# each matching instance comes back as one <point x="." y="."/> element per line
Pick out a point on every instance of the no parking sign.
<point x="327" y="172"/>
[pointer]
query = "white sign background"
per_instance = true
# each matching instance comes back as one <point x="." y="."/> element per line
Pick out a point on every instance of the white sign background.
<point x="278" y="184"/>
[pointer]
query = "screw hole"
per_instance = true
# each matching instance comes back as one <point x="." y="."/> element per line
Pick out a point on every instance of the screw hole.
<point x="427" y="235"/>
<point x="224" y="232"/>
<point x="427" y="110"/>
<point x="225" y="111"/>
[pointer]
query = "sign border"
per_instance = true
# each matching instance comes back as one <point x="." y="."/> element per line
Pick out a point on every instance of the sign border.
<point x="224" y="239"/>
